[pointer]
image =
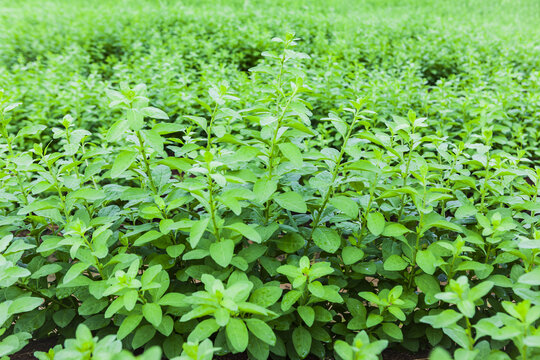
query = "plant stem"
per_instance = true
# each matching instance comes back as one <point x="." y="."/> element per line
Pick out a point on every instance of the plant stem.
<point x="146" y="163"/>
<point x="335" y="173"/>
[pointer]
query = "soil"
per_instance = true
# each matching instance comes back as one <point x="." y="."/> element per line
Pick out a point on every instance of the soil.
<point x="45" y="344"/>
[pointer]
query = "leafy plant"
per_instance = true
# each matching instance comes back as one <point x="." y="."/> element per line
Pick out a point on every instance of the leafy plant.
<point x="339" y="194"/>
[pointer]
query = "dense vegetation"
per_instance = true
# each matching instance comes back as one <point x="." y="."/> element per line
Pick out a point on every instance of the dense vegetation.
<point x="281" y="179"/>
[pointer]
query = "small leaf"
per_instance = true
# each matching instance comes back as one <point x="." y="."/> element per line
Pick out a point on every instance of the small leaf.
<point x="351" y="255"/>
<point x="531" y="278"/>
<point x="154" y="113"/>
<point x="143" y="335"/>
<point x="127" y="326"/>
<point x="152" y="313"/>
<point x="261" y="330"/>
<point x="203" y="330"/>
<point x="346" y="205"/>
<point x="327" y="239"/>
<point x="394" y="230"/>
<point x="307" y="314"/>
<point x="264" y="189"/>
<point x="290" y="243"/>
<point x="302" y="341"/>
<point x="237" y="334"/>
<point x="122" y="162"/>
<point x="443" y="319"/>
<point x="290" y="298"/>
<point x="74" y="271"/>
<point x="376" y="223"/>
<point x="199" y="121"/>
<point x="395" y="263"/>
<point x="291" y="201"/>
<point x="392" y="330"/>
<point x="292" y="153"/>
<point x="24" y="304"/>
<point x="147" y="237"/>
<point x="197" y="231"/>
<point x="246" y="230"/>
<point x="426" y="261"/>
<point x="117" y="130"/>
<point x="222" y="252"/>
<point x="63" y="317"/>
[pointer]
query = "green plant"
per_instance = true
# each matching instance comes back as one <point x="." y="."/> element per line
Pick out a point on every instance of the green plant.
<point x="280" y="204"/>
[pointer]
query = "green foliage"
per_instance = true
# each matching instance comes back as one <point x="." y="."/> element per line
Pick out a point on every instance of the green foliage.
<point x="342" y="192"/>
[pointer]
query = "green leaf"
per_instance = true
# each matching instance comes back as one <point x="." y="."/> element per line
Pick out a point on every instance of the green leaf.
<point x="222" y="252"/>
<point x="179" y="164"/>
<point x="63" y="317"/>
<point x="38" y="205"/>
<point x="199" y="121"/>
<point x="307" y="314"/>
<point x="480" y="290"/>
<point x="394" y="230"/>
<point x="393" y="331"/>
<point x="154" y="113"/>
<point x="147" y="237"/>
<point x="203" y="330"/>
<point x="175" y="251"/>
<point x="373" y="320"/>
<point x="237" y="334"/>
<point x="466" y="211"/>
<point x="290" y="298"/>
<point x="257" y="349"/>
<point x="457" y="334"/>
<point x="117" y="130"/>
<point x="122" y="162"/>
<point x="173" y="299"/>
<point x="440" y="354"/>
<point x="264" y="189"/>
<point x="443" y="319"/>
<point x="376" y="223"/>
<point x="24" y="304"/>
<point x="88" y="194"/>
<point x="127" y="326"/>
<point x="395" y="263"/>
<point x="290" y="243"/>
<point x="429" y="286"/>
<point x="74" y="271"/>
<point x="327" y="239"/>
<point x="130" y="299"/>
<point x="46" y="270"/>
<point x="531" y="278"/>
<point x="302" y="341"/>
<point x="346" y="205"/>
<point x="143" y="335"/>
<point x="291" y="201"/>
<point x="152" y="313"/>
<point x="317" y="289"/>
<point x="197" y="231"/>
<point x="266" y="296"/>
<point x="246" y="230"/>
<point x="351" y="255"/>
<point x="426" y="261"/>
<point x="344" y="350"/>
<point x="261" y="330"/>
<point x="155" y="141"/>
<point x="135" y="119"/>
<point x="222" y="316"/>
<point x="166" y="326"/>
<point x="292" y="153"/>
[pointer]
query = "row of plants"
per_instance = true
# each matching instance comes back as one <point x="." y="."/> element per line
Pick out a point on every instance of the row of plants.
<point x="244" y="227"/>
<point x="454" y="62"/>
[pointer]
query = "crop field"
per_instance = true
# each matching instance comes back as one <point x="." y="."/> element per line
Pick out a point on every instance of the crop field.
<point x="259" y="180"/>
